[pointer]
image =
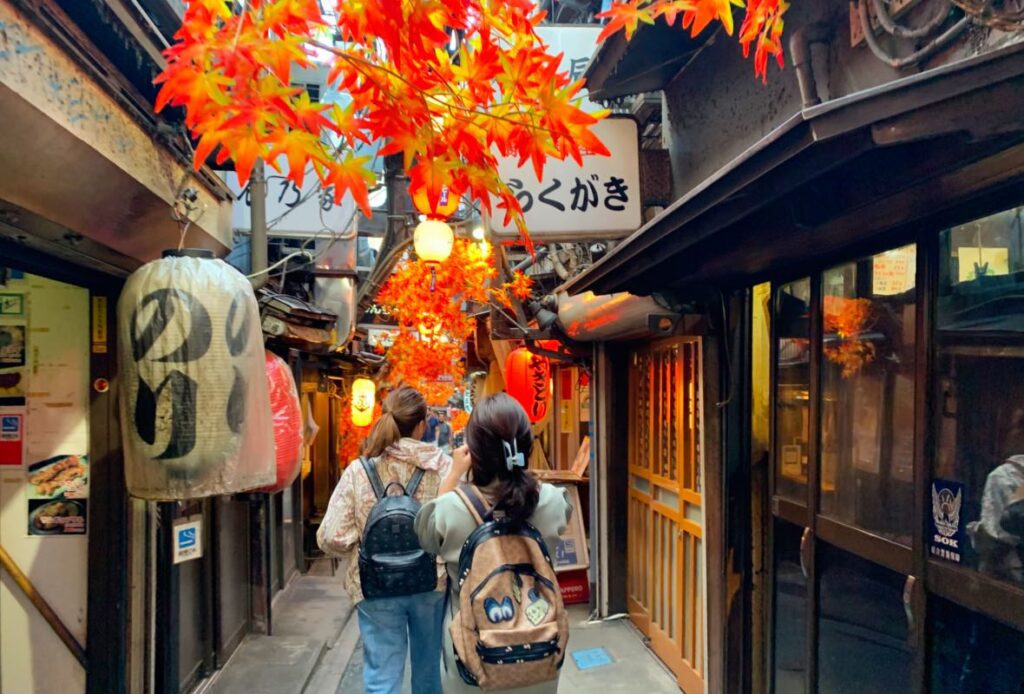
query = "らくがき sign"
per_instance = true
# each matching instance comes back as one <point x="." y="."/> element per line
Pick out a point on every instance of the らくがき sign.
<point x="600" y="199"/>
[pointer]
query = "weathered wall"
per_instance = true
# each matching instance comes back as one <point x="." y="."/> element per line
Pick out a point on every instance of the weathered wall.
<point x="71" y="154"/>
<point x="715" y="109"/>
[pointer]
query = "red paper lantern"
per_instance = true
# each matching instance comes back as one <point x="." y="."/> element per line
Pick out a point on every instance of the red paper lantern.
<point x="527" y="379"/>
<point x="287" y="415"/>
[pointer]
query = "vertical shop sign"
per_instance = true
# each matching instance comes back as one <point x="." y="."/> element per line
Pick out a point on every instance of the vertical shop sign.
<point x="946" y="536"/>
<point x="12" y="438"/>
<point x="99" y="325"/>
<point x="188" y="539"/>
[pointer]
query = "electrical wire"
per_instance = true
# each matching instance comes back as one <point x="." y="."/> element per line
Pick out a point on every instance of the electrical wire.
<point x="916" y="57"/>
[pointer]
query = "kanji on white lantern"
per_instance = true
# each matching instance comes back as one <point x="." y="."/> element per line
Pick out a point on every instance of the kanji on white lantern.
<point x="195" y="410"/>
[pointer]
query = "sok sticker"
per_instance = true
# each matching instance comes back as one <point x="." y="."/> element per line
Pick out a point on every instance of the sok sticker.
<point x="946" y="535"/>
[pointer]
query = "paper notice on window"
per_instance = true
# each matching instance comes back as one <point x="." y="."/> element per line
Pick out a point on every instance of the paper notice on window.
<point x="893" y="272"/>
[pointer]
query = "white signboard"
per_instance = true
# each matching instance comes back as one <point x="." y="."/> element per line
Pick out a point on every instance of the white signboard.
<point x="599" y="200"/>
<point x="289" y="209"/>
<point x="576" y="43"/>
<point x="188" y="540"/>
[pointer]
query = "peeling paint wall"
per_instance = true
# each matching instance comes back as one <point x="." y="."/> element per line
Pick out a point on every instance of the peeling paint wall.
<point x="37" y="71"/>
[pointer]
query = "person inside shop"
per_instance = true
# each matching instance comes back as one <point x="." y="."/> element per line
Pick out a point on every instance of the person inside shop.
<point x="491" y="468"/>
<point x="398" y="590"/>
<point x="430" y="431"/>
<point x="998" y="535"/>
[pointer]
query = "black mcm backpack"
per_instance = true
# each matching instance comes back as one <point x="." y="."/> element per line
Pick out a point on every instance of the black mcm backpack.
<point x="391" y="561"/>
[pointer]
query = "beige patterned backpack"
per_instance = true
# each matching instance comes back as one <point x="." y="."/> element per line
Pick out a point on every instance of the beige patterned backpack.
<point x="511" y="629"/>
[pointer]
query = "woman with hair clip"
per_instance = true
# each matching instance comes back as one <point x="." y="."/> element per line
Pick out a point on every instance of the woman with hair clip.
<point x="392" y="453"/>
<point x="499" y="441"/>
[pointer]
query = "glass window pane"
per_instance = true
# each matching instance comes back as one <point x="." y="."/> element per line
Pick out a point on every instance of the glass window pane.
<point x="977" y="495"/>
<point x="789" y="667"/>
<point x="972" y="654"/>
<point x="792" y="409"/>
<point x="867" y="374"/>
<point x="862" y="627"/>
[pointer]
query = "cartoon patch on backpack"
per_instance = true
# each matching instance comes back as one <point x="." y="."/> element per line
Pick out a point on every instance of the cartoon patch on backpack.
<point x="538" y="608"/>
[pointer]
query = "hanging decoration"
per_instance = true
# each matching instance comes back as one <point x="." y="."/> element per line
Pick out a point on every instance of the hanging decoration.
<point x="350" y="436"/>
<point x="761" y="29"/>
<point x="195" y="410"/>
<point x="528" y="380"/>
<point x="428" y="349"/>
<point x="449" y="85"/>
<point x="445" y="206"/>
<point x="363" y="392"/>
<point x="846" y="320"/>
<point x="286" y="413"/>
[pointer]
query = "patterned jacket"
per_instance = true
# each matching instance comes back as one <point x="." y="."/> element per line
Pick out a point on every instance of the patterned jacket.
<point x="342" y="528"/>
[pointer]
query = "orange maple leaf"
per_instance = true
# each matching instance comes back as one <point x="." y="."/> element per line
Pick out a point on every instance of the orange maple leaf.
<point x="625" y="15"/>
<point x="352" y="175"/>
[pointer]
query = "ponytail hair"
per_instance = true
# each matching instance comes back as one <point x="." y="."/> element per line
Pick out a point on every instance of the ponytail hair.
<point x="495" y="421"/>
<point x="402" y="411"/>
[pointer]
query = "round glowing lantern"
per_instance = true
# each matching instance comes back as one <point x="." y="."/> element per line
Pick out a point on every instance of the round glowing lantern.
<point x="446" y="205"/>
<point x="363" y="394"/>
<point x="433" y="241"/>
<point x="527" y="379"/>
<point x="195" y="410"/>
<point x="287" y="417"/>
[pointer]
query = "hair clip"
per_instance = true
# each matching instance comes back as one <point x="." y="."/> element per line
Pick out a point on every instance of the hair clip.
<point x="513" y="458"/>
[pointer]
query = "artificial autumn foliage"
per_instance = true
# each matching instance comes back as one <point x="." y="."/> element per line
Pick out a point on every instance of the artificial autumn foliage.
<point x="447" y="84"/>
<point x="847" y="319"/>
<point x="761" y="28"/>
<point x="427" y="352"/>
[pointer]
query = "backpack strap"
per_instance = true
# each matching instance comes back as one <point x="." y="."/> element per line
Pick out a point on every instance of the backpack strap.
<point x="371" y="472"/>
<point x="471" y="498"/>
<point x="414" y="481"/>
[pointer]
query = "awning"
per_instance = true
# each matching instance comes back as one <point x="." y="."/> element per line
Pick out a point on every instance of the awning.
<point x="833" y="176"/>
<point x="646" y="64"/>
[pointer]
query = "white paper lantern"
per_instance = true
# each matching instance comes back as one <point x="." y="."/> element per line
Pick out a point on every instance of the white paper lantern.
<point x="195" y="410"/>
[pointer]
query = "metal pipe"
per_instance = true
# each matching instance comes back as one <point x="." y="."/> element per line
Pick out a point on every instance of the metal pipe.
<point x="904" y="32"/>
<point x="39" y="602"/>
<point x="258" y="225"/>
<point x="927" y="50"/>
<point x="800" y="43"/>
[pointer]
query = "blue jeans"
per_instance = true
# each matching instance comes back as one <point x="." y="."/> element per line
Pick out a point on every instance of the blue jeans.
<point x="387" y="626"/>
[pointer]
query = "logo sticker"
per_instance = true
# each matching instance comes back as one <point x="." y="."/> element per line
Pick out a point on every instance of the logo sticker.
<point x="946" y="535"/>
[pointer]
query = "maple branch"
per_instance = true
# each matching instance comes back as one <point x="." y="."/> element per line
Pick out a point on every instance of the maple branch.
<point x="425" y="95"/>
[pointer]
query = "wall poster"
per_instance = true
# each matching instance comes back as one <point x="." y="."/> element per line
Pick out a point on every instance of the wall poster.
<point x="58" y="493"/>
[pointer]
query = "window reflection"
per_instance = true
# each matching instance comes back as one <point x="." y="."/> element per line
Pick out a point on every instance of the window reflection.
<point x="792" y="407"/>
<point x="980" y="398"/>
<point x="862" y="626"/>
<point x="972" y="654"/>
<point x="867" y="424"/>
<point x="789" y="625"/>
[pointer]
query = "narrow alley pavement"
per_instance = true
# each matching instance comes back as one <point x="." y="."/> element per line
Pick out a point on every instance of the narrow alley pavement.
<point x="315" y="649"/>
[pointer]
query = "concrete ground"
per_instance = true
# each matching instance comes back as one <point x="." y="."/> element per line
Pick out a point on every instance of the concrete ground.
<point x="315" y="649"/>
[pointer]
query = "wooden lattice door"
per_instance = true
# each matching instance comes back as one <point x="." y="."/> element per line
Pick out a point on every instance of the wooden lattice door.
<point x="666" y="553"/>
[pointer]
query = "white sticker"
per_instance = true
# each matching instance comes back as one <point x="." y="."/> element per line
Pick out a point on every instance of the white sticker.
<point x="188" y="540"/>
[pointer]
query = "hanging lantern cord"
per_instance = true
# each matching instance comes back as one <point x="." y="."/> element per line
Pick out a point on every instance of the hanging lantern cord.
<point x="433" y="277"/>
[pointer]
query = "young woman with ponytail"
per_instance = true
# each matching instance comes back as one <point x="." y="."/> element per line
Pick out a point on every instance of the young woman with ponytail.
<point x="497" y="426"/>
<point x="389" y="625"/>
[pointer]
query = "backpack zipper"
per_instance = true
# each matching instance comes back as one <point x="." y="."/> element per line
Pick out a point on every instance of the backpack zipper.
<point x="528" y="652"/>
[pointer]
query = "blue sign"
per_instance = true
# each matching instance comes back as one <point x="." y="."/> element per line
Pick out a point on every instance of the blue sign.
<point x="565" y="553"/>
<point x="10" y="426"/>
<point x="186" y="538"/>
<point x="945" y="527"/>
